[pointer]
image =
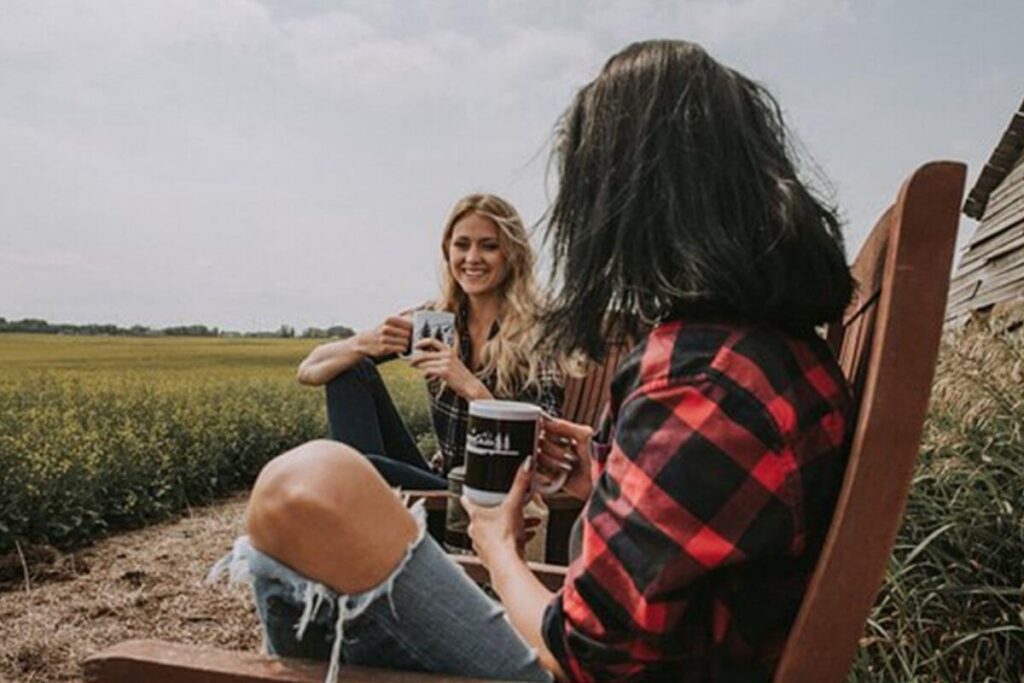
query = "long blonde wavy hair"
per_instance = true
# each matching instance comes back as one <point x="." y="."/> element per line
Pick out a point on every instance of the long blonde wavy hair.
<point x="508" y="357"/>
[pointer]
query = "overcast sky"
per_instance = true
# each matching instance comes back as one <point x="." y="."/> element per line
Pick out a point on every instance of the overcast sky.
<point x="246" y="164"/>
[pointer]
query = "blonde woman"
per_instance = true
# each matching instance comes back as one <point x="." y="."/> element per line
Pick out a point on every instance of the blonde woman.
<point x="488" y="284"/>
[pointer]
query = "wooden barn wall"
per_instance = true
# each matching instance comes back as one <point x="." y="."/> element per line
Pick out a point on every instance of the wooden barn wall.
<point x="992" y="267"/>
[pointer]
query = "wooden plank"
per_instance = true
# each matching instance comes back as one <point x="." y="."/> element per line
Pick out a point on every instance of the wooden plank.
<point x="154" y="661"/>
<point x="861" y="332"/>
<point x="1009" y="209"/>
<point x="436" y="505"/>
<point x="1015" y="173"/>
<point x="1004" y="158"/>
<point x="976" y="257"/>
<point x="867" y="266"/>
<point x="551" y="575"/>
<point x="977" y="201"/>
<point x="594" y="393"/>
<point x="1003" y="199"/>
<point x="834" y="336"/>
<point x="1001" y="274"/>
<point x="962" y="298"/>
<point x="590" y="393"/>
<point x="611" y="366"/>
<point x="990" y="274"/>
<point x="432" y="499"/>
<point x="1005" y="192"/>
<point x="990" y="229"/>
<point x="995" y="170"/>
<point x="1007" y="291"/>
<point x="994" y="220"/>
<point x="574" y="387"/>
<point x="963" y="284"/>
<point x="1001" y="262"/>
<point x="598" y="392"/>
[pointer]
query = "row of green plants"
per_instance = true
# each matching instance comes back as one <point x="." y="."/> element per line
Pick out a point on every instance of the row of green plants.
<point x="100" y="435"/>
<point x="951" y="607"/>
<point x="82" y="458"/>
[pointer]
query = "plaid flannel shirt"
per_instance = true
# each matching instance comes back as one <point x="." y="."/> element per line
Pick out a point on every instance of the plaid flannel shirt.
<point x="715" y="477"/>
<point x="450" y="412"/>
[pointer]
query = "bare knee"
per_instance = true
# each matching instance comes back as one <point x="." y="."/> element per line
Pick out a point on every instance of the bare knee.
<point x="324" y="499"/>
<point x="292" y="484"/>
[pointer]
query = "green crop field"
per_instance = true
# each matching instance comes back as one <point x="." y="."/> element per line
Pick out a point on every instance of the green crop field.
<point x="100" y="433"/>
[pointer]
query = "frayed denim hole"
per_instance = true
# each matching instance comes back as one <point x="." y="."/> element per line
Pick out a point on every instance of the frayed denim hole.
<point x="239" y="565"/>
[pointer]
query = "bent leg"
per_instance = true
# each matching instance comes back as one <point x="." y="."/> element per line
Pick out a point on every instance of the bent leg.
<point x="360" y="413"/>
<point x="436" y="619"/>
<point x="341" y="570"/>
<point x="406" y="476"/>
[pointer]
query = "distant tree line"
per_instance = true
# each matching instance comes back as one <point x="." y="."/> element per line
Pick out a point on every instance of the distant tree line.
<point x="39" y="326"/>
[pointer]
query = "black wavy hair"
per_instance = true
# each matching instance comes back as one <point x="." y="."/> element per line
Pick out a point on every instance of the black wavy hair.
<point x="679" y="197"/>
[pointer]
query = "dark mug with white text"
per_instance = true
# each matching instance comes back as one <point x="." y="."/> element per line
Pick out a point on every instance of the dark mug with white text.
<point x="499" y="436"/>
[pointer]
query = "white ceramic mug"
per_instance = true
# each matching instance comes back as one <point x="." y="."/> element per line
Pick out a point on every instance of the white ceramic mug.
<point x="428" y="324"/>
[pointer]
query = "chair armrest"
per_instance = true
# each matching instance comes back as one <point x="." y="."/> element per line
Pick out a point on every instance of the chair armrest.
<point x="435" y="502"/>
<point x="551" y="575"/>
<point x="432" y="500"/>
<point x="155" y="661"/>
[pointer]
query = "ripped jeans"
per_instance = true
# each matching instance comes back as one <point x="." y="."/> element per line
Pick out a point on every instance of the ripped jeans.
<point x="426" y="616"/>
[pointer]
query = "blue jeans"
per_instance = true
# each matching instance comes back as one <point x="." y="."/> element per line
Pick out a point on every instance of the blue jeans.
<point x="426" y="616"/>
<point x="360" y="413"/>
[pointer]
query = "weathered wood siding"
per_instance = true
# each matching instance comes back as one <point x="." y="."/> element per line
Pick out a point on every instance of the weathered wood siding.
<point x="991" y="270"/>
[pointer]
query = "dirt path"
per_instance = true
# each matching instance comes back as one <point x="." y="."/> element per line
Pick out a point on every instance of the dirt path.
<point x="141" y="584"/>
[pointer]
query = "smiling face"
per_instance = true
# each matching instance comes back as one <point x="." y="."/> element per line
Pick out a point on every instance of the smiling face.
<point x="475" y="259"/>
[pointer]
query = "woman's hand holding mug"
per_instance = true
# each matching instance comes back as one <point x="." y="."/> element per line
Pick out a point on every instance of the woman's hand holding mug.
<point x="439" y="361"/>
<point x="391" y="336"/>
<point x="563" y="448"/>
<point x="500" y="533"/>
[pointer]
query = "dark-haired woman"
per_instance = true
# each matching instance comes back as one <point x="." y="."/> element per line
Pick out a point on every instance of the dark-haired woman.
<point x="712" y="483"/>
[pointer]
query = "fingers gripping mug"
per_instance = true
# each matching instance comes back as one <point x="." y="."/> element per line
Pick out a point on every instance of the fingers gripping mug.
<point x="499" y="436"/>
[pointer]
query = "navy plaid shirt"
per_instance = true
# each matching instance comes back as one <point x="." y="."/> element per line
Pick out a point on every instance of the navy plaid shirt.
<point x="715" y="477"/>
<point x="450" y="412"/>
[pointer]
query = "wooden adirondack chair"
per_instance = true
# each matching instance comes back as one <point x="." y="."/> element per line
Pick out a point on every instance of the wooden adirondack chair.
<point x="887" y="344"/>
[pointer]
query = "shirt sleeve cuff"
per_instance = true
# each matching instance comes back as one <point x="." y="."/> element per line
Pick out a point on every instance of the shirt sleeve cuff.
<point x="553" y="632"/>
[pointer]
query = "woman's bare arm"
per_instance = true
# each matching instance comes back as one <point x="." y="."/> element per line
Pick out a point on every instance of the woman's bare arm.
<point x="496" y="532"/>
<point x="525" y="598"/>
<point x="327" y="361"/>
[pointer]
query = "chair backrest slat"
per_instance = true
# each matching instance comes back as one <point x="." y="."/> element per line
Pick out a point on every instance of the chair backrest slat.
<point x="887" y="346"/>
<point x="585" y="397"/>
<point x="574" y="388"/>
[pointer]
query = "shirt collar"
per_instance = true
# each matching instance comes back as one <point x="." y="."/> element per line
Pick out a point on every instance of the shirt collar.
<point x="462" y="326"/>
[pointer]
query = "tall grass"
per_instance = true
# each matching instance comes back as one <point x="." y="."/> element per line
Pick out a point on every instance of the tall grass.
<point x="951" y="605"/>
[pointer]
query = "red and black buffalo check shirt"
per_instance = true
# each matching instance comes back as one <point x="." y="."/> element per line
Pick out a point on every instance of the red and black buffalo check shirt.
<point x="715" y="478"/>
